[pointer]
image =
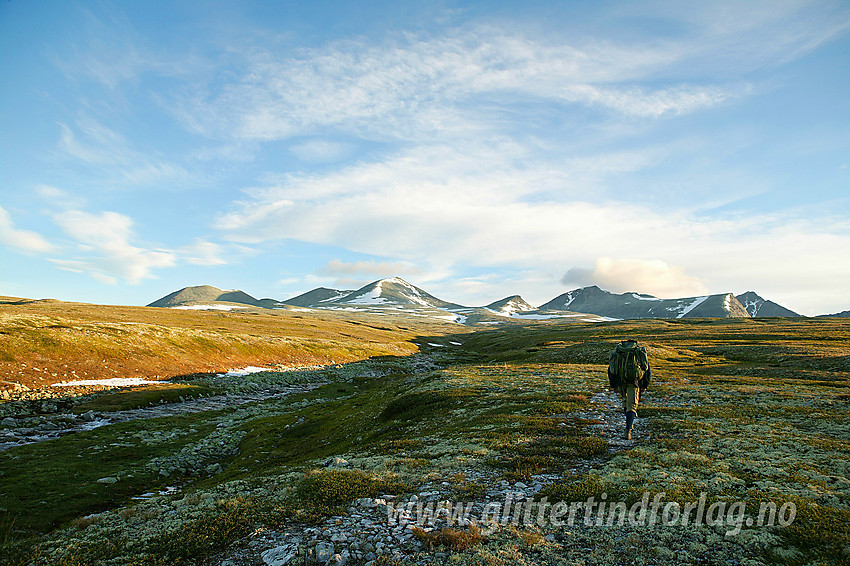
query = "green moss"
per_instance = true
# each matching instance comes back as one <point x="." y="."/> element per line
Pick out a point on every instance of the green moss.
<point x="142" y="397"/>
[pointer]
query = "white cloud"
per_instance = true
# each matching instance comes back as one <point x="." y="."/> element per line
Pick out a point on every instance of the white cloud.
<point x="110" y="153"/>
<point x="621" y="275"/>
<point x="104" y="243"/>
<point x="25" y="241"/>
<point x="202" y="252"/>
<point x="452" y="210"/>
<point x="320" y="151"/>
<point x="420" y="86"/>
<point x="58" y="197"/>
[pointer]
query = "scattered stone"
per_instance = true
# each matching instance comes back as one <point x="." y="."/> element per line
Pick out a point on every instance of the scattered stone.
<point x="279" y="556"/>
<point x="108" y="480"/>
<point x="337" y="462"/>
<point x="324" y="552"/>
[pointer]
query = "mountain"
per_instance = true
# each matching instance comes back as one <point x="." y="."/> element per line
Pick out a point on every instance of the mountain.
<point x="397" y="296"/>
<point x="386" y="292"/>
<point x="836" y="315"/>
<point x="316" y="297"/>
<point x="206" y="294"/>
<point x="594" y="300"/>
<point x="510" y="305"/>
<point x="758" y="306"/>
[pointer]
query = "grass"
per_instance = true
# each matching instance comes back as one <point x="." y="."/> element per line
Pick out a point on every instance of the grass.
<point x="749" y="409"/>
<point x="47" y="484"/>
<point x="139" y="397"/>
<point x="46" y="342"/>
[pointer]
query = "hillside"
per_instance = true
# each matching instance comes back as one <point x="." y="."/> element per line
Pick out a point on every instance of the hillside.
<point x="204" y="294"/>
<point x="51" y="341"/>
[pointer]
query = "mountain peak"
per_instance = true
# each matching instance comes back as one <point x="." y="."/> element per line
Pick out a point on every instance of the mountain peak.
<point x="204" y="294"/>
<point x="392" y="290"/>
<point x="510" y="305"/>
<point x="758" y="306"/>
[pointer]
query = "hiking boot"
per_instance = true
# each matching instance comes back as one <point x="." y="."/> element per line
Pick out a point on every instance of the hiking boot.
<point x="630" y="423"/>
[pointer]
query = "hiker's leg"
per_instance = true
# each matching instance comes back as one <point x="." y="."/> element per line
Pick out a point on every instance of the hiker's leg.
<point x="631" y="399"/>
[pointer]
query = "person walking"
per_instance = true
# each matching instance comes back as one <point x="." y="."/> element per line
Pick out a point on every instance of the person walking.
<point x="629" y="374"/>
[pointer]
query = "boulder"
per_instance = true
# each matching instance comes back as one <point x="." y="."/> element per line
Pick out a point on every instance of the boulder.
<point x="279" y="555"/>
<point x="337" y="462"/>
<point x="324" y="552"/>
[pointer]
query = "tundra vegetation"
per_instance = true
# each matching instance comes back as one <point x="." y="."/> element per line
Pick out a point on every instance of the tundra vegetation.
<point x="741" y="410"/>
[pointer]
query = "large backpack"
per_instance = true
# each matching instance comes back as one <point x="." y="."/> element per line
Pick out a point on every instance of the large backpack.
<point x="627" y="365"/>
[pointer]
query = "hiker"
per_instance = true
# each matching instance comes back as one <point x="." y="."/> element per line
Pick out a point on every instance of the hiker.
<point x="629" y="374"/>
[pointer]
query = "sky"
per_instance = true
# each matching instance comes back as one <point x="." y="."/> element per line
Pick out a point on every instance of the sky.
<point x="476" y="149"/>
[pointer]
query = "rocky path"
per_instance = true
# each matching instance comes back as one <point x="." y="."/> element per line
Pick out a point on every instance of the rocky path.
<point x="384" y="526"/>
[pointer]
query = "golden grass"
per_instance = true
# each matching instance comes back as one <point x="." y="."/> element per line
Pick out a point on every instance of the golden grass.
<point x="46" y="342"/>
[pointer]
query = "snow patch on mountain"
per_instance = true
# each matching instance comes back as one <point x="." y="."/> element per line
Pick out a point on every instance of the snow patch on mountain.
<point x="688" y="308"/>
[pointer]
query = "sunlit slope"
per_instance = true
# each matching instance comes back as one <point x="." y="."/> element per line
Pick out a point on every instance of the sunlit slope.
<point x="51" y="341"/>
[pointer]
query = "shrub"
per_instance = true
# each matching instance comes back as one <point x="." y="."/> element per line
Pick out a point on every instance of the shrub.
<point x="453" y="539"/>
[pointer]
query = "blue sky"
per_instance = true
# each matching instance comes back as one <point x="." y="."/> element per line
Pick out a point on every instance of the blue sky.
<point x="477" y="150"/>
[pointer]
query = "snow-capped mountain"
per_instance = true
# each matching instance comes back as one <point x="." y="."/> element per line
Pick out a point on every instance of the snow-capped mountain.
<point x="393" y="291"/>
<point x="758" y="306"/>
<point x="636" y="305"/>
<point x="510" y="305"/>
<point x="395" y="296"/>
<point x="316" y="296"/>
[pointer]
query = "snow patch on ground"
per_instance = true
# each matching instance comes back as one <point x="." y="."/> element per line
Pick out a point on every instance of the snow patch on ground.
<point x="643" y="298"/>
<point x="208" y="307"/>
<point x="244" y="371"/>
<point x="113" y="382"/>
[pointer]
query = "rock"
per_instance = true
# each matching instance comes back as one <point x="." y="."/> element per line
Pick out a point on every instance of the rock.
<point x="9" y="422"/>
<point x="89" y="416"/>
<point x="337" y="462"/>
<point x="108" y="479"/>
<point x="213" y="469"/>
<point x="324" y="552"/>
<point x="279" y="555"/>
<point x="369" y="556"/>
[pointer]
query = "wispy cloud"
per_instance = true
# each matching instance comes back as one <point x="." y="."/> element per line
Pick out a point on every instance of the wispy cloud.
<point x="109" y="152"/>
<point x="415" y="86"/>
<point x="104" y="250"/>
<point x="202" y="252"/>
<point x="19" y="240"/>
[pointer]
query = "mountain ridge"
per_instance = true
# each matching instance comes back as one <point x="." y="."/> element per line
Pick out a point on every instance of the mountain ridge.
<point x="396" y="294"/>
